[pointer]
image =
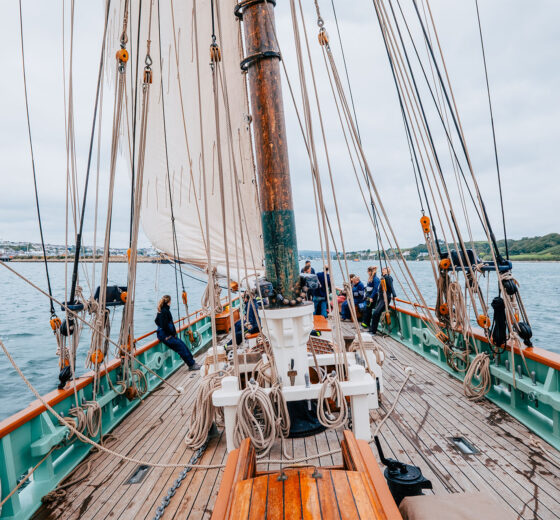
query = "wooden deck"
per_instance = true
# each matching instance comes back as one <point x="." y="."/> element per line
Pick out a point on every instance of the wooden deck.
<point x="510" y="466"/>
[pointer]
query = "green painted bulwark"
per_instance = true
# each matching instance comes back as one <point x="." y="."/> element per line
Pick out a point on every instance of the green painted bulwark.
<point x="280" y="245"/>
<point x="26" y="445"/>
<point x="533" y="402"/>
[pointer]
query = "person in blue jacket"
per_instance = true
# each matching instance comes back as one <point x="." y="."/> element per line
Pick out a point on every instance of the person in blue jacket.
<point x="251" y="319"/>
<point x="372" y="292"/>
<point x="359" y="294"/>
<point x="321" y="295"/>
<point x="167" y="333"/>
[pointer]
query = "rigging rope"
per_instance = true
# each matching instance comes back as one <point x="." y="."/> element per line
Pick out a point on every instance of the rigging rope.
<point x="90" y="153"/>
<point x="493" y="129"/>
<point x="53" y="313"/>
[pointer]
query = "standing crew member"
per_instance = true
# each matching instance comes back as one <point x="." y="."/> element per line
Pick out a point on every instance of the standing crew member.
<point x="307" y="266"/>
<point x="372" y="292"/>
<point x="167" y="334"/>
<point x="384" y="300"/>
<point x="321" y="294"/>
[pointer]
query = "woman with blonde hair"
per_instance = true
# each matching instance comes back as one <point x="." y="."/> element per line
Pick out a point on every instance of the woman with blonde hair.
<point x="167" y="334"/>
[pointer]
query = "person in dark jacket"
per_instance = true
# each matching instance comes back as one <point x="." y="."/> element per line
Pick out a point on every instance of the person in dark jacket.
<point x="372" y="292"/>
<point x="167" y="334"/>
<point x="321" y="295"/>
<point x="389" y="290"/>
<point x="358" y="293"/>
<point x="251" y="319"/>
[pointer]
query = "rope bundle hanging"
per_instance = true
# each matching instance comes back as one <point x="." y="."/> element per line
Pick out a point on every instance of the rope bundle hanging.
<point x="211" y="302"/>
<point x="203" y="412"/>
<point x="479" y="370"/>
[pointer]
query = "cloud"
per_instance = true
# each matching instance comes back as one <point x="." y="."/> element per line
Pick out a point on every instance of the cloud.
<point x="522" y="44"/>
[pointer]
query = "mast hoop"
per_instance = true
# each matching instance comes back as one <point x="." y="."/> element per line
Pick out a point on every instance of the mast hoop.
<point x="239" y="8"/>
<point x="258" y="56"/>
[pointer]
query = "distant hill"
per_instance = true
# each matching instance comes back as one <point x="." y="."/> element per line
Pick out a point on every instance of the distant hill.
<point x="545" y="248"/>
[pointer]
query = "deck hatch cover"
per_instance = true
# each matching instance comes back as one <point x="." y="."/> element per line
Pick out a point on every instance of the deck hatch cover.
<point x="139" y="473"/>
<point x="464" y="446"/>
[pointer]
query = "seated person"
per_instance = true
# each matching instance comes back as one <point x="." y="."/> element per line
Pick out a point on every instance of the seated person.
<point x="251" y="323"/>
<point x="167" y="334"/>
<point x="359" y="295"/>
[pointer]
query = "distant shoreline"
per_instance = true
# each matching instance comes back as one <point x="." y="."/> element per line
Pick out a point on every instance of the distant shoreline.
<point x="113" y="259"/>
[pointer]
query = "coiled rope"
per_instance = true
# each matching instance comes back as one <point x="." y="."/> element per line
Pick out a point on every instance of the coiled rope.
<point x="479" y="369"/>
<point x="324" y="412"/>
<point x="256" y="419"/>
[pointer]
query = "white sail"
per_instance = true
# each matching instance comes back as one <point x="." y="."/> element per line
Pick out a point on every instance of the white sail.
<point x="182" y="139"/>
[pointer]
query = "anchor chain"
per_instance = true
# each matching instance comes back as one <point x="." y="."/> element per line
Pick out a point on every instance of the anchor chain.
<point x="178" y="481"/>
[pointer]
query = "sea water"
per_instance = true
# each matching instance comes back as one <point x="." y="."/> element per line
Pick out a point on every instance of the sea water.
<point x="25" y="314"/>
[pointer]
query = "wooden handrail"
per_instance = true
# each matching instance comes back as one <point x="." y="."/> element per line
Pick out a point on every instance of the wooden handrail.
<point x="415" y="304"/>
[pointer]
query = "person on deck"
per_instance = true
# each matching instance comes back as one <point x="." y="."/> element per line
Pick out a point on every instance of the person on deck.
<point x="386" y="288"/>
<point x="167" y="334"/>
<point x="358" y="293"/>
<point x="372" y="291"/>
<point x="251" y="321"/>
<point x="307" y="266"/>
<point x="321" y="295"/>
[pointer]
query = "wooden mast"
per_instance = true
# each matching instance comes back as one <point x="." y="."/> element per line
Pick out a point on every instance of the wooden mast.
<point x="269" y="127"/>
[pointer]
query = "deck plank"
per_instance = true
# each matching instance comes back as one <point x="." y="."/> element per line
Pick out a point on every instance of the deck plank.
<point x="432" y="408"/>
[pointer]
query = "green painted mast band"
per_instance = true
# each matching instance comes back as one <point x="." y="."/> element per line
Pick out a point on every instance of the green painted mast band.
<point x="271" y="150"/>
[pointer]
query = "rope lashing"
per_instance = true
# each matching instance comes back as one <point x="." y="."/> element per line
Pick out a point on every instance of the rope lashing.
<point x="207" y="306"/>
<point x="324" y="413"/>
<point x="280" y="407"/>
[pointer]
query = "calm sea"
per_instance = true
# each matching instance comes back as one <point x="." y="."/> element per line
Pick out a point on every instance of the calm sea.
<point x="25" y="329"/>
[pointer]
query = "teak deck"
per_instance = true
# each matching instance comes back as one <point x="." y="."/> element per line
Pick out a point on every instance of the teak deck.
<point x="522" y="474"/>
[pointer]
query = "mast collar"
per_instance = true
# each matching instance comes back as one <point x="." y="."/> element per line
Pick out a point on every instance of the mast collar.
<point x="240" y="7"/>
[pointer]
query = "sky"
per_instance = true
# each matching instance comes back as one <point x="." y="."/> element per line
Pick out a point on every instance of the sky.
<point x="522" y="48"/>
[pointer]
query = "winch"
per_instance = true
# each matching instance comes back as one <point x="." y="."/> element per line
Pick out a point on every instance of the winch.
<point x="404" y="480"/>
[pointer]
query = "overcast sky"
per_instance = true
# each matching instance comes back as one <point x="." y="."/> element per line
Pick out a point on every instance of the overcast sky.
<point x="522" y="45"/>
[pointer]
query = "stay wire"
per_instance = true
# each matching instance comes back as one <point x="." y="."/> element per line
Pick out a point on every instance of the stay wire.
<point x="372" y="203"/>
<point x="90" y="153"/>
<point x="53" y="313"/>
<point x="422" y="68"/>
<point x="173" y="228"/>
<point x="414" y="157"/>
<point x="134" y="112"/>
<point x="493" y="129"/>
<point x="346" y="71"/>
<point x="457" y="128"/>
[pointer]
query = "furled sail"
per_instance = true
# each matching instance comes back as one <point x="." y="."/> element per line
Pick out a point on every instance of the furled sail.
<point x="181" y="175"/>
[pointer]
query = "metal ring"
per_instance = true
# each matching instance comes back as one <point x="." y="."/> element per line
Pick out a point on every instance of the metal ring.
<point x="253" y="58"/>
<point x="238" y="9"/>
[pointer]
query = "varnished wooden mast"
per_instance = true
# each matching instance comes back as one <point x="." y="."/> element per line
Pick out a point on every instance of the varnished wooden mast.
<point x="262" y="63"/>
